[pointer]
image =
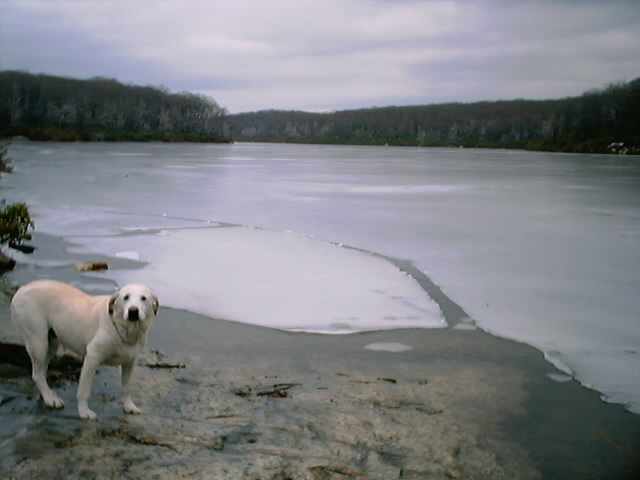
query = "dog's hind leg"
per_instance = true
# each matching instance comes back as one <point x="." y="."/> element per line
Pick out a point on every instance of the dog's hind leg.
<point x="39" y="348"/>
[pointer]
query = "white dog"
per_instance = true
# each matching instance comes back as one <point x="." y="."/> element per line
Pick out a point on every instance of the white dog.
<point x="100" y="329"/>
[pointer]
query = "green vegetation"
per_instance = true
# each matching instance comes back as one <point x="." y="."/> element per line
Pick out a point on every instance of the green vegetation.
<point x="45" y="107"/>
<point x="597" y="121"/>
<point x="15" y="220"/>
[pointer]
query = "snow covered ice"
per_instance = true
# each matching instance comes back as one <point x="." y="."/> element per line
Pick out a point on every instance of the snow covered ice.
<point x="274" y="279"/>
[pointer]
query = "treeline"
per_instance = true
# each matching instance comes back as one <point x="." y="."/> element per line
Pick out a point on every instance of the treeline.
<point x="598" y="121"/>
<point x="45" y="107"/>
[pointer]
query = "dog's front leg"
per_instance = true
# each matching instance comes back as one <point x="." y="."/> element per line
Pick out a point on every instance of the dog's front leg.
<point x="129" y="406"/>
<point x="87" y="375"/>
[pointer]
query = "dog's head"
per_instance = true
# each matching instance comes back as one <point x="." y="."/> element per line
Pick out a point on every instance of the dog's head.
<point x="134" y="304"/>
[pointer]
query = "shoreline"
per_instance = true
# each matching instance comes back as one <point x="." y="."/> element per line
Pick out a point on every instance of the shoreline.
<point x="254" y="402"/>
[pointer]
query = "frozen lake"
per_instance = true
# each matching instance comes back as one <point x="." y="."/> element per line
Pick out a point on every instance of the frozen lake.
<point x="542" y="248"/>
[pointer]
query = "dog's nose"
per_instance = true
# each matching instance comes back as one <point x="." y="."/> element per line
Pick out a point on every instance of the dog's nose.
<point x="133" y="314"/>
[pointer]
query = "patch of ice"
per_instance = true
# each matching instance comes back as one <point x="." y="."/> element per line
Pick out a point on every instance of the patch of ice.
<point x="388" y="347"/>
<point x="617" y="374"/>
<point x="559" y="377"/>
<point x="276" y="280"/>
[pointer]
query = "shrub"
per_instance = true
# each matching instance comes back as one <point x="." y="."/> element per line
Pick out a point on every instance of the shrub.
<point x="15" y="222"/>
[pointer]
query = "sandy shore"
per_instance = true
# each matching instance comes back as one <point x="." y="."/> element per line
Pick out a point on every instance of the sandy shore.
<point x="256" y="403"/>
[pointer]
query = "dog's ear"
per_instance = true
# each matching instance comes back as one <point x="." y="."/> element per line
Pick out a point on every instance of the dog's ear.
<point x="112" y="303"/>
<point x="156" y="304"/>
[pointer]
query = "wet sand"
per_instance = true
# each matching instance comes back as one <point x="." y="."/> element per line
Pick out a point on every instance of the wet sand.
<point x="256" y="403"/>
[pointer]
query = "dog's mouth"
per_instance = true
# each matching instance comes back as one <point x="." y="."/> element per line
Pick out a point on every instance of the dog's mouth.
<point x="133" y="314"/>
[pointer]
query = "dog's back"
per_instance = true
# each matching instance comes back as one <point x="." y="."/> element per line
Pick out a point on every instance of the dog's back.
<point x="44" y="306"/>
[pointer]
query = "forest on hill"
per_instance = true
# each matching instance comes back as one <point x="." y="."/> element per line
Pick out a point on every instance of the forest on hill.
<point x="46" y="107"/>
<point x="603" y="121"/>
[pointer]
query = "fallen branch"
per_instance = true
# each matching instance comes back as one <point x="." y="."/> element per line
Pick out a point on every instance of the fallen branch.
<point x="165" y="365"/>
<point x="279" y="390"/>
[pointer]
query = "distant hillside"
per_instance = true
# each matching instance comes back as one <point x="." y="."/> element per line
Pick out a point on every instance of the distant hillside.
<point x="45" y="107"/>
<point x="591" y="122"/>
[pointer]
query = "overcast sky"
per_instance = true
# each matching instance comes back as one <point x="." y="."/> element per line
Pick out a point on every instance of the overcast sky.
<point x="321" y="55"/>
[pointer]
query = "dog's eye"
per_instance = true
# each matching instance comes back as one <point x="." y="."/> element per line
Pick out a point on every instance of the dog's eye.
<point x="126" y="298"/>
<point x="143" y="298"/>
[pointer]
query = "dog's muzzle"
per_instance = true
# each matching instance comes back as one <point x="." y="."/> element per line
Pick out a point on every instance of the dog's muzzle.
<point x="133" y="314"/>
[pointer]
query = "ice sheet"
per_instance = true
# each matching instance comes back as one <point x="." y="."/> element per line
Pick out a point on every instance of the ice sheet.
<point x="274" y="279"/>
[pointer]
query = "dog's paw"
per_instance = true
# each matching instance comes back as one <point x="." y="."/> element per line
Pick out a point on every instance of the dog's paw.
<point x="132" y="409"/>
<point x="87" y="414"/>
<point x="53" y="401"/>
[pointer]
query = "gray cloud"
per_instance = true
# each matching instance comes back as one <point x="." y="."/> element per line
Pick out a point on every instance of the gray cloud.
<point x="330" y="54"/>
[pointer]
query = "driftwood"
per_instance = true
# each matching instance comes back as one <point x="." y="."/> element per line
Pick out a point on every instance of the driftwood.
<point x="279" y="390"/>
<point x="91" y="266"/>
